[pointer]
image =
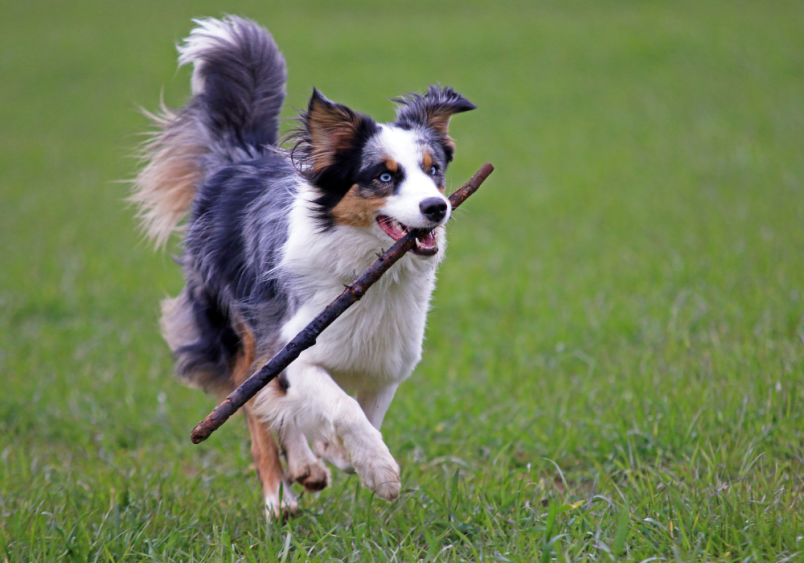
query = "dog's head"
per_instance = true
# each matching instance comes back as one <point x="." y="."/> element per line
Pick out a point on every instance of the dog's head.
<point x="386" y="178"/>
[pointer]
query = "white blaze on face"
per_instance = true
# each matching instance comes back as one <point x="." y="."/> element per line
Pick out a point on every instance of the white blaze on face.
<point x="407" y="150"/>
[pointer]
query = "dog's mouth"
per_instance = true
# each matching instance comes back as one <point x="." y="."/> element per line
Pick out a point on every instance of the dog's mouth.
<point x="426" y="244"/>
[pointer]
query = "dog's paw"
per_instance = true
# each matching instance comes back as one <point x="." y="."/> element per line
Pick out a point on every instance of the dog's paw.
<point x="333" y="453"/>
<point x="281" y="505"/>
<point x="379" y="472"/>
<point x="312" y="474"/>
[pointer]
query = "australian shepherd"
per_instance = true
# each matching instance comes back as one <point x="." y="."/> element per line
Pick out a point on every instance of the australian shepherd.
<point x="273" y="234"/>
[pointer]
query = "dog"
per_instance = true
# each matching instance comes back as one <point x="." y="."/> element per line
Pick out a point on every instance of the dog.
<point x="273" y="234"/>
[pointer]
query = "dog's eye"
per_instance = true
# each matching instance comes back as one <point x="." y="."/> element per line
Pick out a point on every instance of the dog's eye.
<point x="433" y="171"/>
<point x="385" y="177"/>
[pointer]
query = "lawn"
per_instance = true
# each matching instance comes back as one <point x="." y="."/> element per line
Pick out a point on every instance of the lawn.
<point x="614" y="364"/>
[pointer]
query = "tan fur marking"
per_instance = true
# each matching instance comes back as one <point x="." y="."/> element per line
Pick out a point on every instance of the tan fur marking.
<point x="244" y="364"/>
<point x="165" y="187"/>
<point x="357" y="211"/>
<point x="264" y="448"/>
<point x="266" y="456"/>
<point x="427" y="160"/>
<point x="331" y="131"/>
<point x="391" y="165"/>
<point x="248" y="362"/>
<point x="439" y="121"/>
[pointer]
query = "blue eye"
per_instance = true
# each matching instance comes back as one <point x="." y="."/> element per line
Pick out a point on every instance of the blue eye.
<point x="385" y="177"/>
<point x="433" y="171"/>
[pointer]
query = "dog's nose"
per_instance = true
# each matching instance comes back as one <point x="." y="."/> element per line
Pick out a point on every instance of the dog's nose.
<point x="434" y="208"/>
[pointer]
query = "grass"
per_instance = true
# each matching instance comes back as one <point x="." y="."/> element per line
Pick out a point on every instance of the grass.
<point x="614" y="365"/>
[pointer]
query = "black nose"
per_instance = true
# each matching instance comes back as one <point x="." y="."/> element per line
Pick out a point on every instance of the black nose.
<point x="434" y="208"/>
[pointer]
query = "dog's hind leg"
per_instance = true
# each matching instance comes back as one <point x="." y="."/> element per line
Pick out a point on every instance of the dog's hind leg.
<point x="279" y="499"/>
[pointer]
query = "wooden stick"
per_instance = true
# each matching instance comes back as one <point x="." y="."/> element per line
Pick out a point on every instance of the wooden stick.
<point x="307" y="337"/>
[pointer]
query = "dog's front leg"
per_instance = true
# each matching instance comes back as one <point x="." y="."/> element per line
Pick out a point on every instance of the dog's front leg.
<point x="375" y="403"/>
<point x="302" y="465"/>
<point x="322" y="410"/>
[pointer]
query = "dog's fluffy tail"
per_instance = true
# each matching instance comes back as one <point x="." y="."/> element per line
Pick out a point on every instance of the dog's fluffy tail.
<point x="238" y="88"/>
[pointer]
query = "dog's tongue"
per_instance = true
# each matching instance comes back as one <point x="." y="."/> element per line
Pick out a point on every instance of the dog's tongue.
<point x="394" y="229"/>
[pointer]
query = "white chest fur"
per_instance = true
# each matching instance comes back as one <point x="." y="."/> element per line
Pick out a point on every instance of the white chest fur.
<point x="378" y="340"/>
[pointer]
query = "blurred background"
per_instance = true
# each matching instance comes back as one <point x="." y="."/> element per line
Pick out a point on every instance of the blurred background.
<point x="622" y="298"/>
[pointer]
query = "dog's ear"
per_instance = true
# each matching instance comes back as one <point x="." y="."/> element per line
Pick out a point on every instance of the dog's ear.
<point x="433" y="111"/>
<point x="330" y="129"/>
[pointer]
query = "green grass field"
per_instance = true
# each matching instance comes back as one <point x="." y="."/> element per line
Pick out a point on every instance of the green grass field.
<point x="614" y="364"/>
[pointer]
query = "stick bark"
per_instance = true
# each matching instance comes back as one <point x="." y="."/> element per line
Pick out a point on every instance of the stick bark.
<point x="307" y="337"/>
